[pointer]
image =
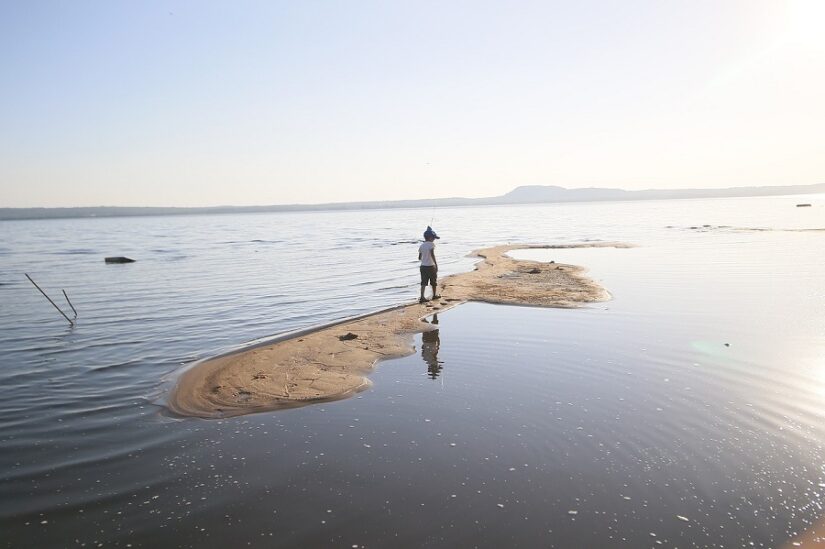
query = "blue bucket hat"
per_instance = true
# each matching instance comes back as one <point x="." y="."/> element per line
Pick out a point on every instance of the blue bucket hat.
<point x="430" y="233"/>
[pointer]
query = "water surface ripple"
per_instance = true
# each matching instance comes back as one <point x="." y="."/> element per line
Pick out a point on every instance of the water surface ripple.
<point x="688" y="410"/>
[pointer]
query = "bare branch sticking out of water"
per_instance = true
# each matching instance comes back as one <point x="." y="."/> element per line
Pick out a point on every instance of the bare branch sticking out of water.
<point x="59" y="310"/>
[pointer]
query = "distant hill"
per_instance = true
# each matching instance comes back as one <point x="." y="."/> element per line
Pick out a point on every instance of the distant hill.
<point x="539" y="193"/>
<point x="527" y="194"/>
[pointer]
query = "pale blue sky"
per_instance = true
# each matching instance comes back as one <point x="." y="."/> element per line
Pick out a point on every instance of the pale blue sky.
<point x="203" y="103"/>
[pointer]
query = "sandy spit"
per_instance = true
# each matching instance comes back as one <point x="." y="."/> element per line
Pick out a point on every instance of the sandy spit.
<point x="332" y="363"/>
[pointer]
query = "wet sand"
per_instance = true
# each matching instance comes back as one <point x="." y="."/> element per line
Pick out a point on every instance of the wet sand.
<point x="332" y="362"/>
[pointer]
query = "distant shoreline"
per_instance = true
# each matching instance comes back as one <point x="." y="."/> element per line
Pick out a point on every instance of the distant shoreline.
<point x="533" y="194"/>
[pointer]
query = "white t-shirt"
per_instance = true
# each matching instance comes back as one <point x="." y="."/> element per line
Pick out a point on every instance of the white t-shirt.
<point x="426" y="250"/>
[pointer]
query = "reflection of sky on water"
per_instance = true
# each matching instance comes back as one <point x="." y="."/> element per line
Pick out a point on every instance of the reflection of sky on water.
<point x="762" y="294"/>
<point x="620" y="417"/>
<point x="537" y="412"/>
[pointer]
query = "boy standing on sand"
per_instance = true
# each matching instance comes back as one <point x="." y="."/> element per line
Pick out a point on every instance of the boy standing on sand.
<point x="429" y="266"/>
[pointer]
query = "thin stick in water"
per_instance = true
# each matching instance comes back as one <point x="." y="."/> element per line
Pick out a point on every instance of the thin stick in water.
<point x="69" y="301"/>
<point x="50" y="299"/>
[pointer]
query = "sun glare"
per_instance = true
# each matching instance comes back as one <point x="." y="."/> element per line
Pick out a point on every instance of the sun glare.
<point x="806" y="22"/>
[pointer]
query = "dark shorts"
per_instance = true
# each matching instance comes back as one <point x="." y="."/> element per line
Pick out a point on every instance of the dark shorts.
<point x="428" y="275"/>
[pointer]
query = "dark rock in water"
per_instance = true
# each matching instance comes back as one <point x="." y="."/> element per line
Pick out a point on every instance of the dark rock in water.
<point x="348" y="336"/>
<point x="727" y="344"/>
<point x="803" y="205"/>
<point x="119" y="259"/>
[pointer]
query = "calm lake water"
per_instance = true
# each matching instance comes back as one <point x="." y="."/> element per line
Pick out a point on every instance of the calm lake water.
<point x="689" y="411"/>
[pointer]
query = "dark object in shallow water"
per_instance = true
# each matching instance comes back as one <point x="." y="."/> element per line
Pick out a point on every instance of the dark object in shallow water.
<point x="803" y="205"/>
<point x="119" y="259"/>
<point x="727" y="344"/>
<point x="348" y="336"/>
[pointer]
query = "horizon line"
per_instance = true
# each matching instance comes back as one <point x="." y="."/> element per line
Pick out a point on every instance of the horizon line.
<point x="317" y="205"/>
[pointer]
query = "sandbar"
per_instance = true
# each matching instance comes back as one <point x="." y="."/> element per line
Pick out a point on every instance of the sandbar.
<point x="332" y="362"/>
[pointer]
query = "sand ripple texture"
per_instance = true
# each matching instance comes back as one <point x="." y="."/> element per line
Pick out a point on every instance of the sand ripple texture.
<point x="331" y="363"/>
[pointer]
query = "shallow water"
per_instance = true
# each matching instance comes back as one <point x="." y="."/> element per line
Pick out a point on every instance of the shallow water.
<point x="489" y="436"/>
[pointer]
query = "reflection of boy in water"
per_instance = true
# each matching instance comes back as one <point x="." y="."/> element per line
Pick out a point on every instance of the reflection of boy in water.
<point x="430" y="342"/>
